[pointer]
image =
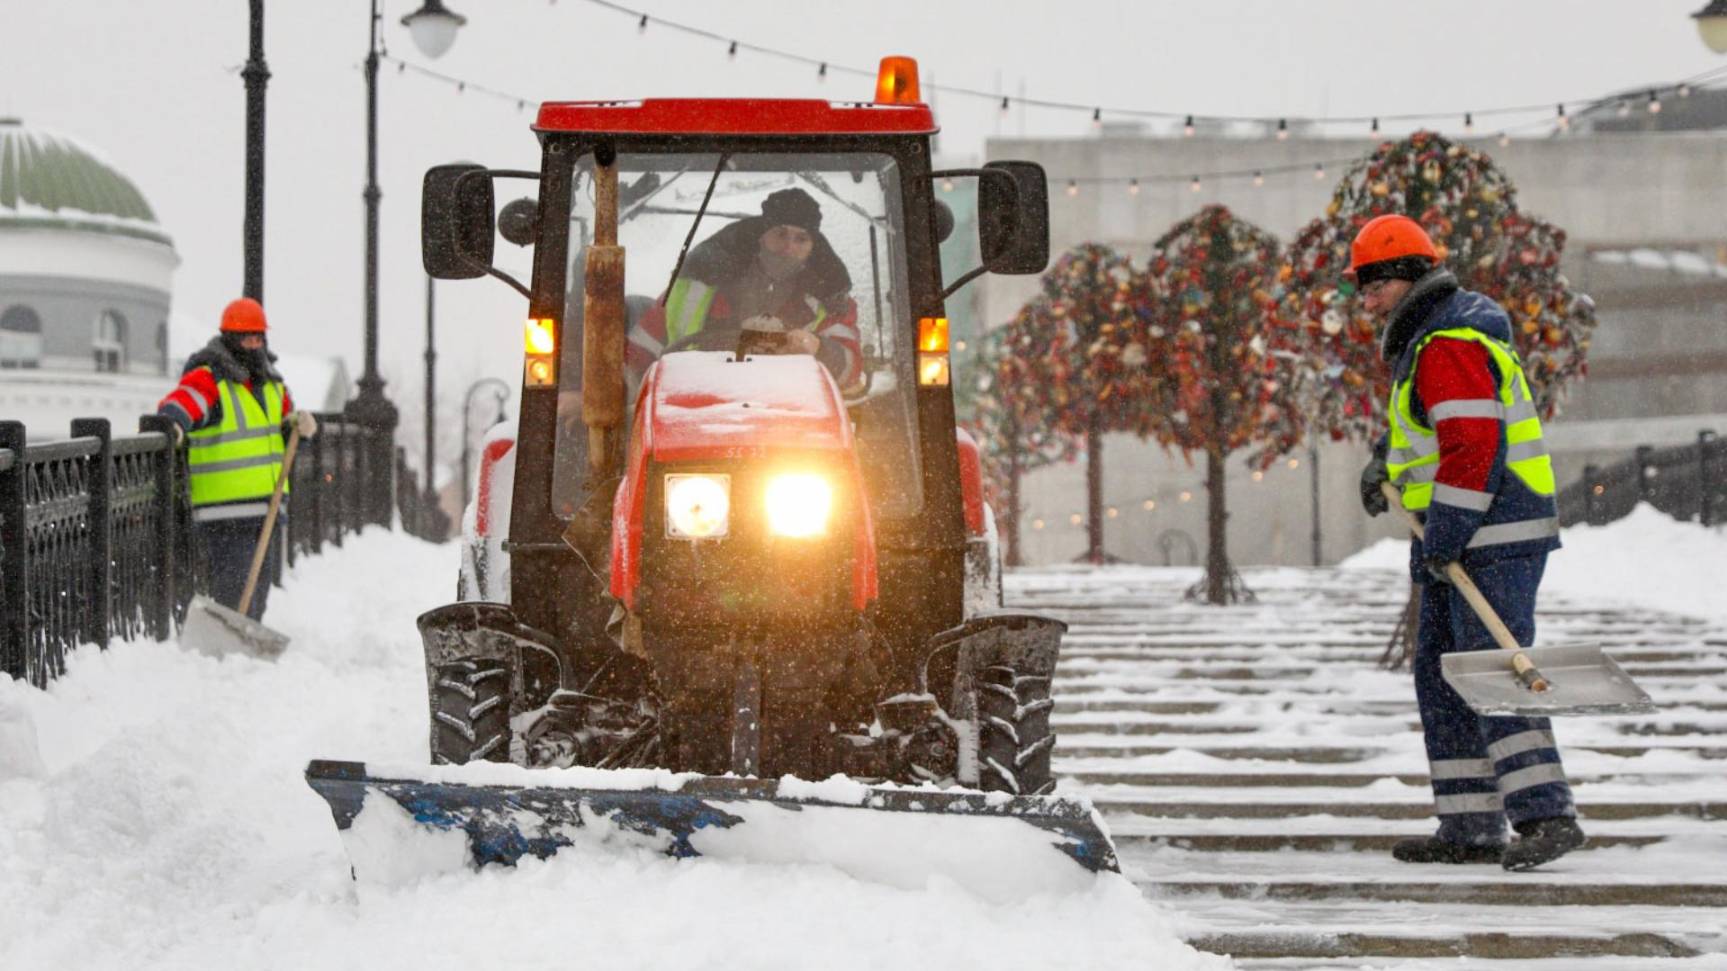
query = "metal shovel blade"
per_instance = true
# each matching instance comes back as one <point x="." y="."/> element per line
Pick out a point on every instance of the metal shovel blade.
<point x="1581" y="681"/>
<point x="219" y="631"/>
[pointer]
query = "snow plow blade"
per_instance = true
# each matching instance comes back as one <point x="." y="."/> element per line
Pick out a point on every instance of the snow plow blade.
<point x="498" y="813"/>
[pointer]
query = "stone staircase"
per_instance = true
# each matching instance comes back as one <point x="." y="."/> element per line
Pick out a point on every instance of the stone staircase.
<point x="1255" y="766"/>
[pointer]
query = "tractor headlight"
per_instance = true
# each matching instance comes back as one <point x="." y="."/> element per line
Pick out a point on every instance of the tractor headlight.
<point x="798" y="504"/>
<point x="698" y="506"/>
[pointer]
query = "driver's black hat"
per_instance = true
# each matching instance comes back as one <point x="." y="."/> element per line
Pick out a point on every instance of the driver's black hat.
<point x="792" y="207"/>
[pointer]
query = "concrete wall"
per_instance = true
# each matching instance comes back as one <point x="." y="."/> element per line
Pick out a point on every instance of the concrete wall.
<point x="1658" y="359"/>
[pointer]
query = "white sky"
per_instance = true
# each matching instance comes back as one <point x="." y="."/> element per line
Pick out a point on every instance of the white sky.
<point x="155" y="88"/>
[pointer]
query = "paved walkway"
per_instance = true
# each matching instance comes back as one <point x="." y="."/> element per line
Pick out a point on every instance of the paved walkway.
<point x="1255" y="766"/>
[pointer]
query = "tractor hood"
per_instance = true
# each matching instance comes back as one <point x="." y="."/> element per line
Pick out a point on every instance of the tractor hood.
<point x="705" y="405"/>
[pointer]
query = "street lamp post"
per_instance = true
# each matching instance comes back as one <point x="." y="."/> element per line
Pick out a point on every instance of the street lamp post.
<point x="503" y="391"/>
<point x="433" y="28"/>
<point x="257" y="76"/>
<point x="431" y="397"/>
<point x="1712" y="25"/>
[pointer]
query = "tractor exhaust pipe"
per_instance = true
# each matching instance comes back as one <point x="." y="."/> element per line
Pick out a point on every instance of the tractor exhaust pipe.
<point x="604" y="325"/>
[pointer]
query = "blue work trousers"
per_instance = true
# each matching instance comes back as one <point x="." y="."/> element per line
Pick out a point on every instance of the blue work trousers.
<point x="1484" y="770"/>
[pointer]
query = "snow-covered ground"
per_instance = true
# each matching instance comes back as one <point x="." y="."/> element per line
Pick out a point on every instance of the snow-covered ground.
<point x="153" y="815"/>
<point x="1647" y="559"/>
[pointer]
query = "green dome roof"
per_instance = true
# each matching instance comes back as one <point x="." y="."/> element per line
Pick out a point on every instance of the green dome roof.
<point x="51" y="180"/>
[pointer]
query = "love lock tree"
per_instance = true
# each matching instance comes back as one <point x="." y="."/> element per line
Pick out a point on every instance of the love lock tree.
<point x="1097" y="382"/>
<point x="1468" y="206"/>
<point x="1207" y="307"/>
<point x="1010" y="420"/>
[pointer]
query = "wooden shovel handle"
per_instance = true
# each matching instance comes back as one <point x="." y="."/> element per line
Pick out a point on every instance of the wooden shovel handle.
<point x="269" y="521"/>
<point x="1520" y="663"/>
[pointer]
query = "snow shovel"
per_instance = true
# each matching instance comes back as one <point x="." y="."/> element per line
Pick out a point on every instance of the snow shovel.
<point x="1518" y="680"/>
<point x="218" y="631"/>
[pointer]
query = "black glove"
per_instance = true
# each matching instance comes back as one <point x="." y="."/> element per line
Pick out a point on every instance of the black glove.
<point x="1435" y="566"/>
<point x="1373" y="474"/>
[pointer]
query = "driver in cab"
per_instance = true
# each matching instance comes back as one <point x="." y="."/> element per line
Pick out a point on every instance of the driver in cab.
<point x="768" y="284"/>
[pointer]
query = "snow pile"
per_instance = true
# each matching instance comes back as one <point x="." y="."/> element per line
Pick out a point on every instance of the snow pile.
<point x="153" y="815"/>
<point x="1648" y="559"/>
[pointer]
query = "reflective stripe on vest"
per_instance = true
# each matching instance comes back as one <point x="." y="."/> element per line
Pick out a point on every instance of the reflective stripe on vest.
<point x="241" y="458"/>
<point x="687" y="309"/>
<point x="1412" y="458"/>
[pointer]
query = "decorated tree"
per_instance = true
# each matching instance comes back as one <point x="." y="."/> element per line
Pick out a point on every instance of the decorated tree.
<point x="1206" y="308"/>
<point x="1078" y="360"/>
<point x="1010" y="421"/>
<point x="1469" y="207"/>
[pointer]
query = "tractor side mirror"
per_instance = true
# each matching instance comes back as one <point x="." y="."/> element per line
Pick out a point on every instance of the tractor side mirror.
<point x="456" y="229"/>
<point x="519" y="222"/>
<point x="1013" y="217"/>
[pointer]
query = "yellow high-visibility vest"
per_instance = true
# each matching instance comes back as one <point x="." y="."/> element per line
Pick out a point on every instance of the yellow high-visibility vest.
<point x="1413" y="457"/>
<point x="239" y="459"/>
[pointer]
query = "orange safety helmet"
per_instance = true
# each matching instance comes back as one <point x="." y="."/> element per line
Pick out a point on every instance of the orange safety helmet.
<point x="1390" y="247"/>
<point x="244" y="316"/>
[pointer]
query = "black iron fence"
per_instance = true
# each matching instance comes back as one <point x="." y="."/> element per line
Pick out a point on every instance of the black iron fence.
<point x="95" y="537"/>
<point x="1687" y="482"/>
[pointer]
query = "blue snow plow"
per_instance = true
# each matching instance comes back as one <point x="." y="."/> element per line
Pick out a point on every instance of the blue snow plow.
<point x="485" y="814"/>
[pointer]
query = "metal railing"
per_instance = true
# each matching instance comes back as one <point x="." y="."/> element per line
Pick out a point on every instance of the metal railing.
<point x="95" y="531"/>
<point x="1686" y="482"/>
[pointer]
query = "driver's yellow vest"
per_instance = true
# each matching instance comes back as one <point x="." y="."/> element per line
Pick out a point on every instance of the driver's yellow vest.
<point x="688" y="303"/>
<point x="240" y="458"/>
<point x="1413" y="457"/>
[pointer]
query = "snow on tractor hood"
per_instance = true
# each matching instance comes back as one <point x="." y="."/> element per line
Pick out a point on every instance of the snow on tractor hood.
<point x="704" y="404"/>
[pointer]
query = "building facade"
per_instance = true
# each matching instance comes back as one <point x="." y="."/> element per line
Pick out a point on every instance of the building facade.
<point x="85" y="282"/>
<point x="1647" y="239"/>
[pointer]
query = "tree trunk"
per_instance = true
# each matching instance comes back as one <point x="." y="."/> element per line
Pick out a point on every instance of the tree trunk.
<point x="1008" y="525"/>
<point x="1216" y="554"/>
<point x="1094" y="489"/>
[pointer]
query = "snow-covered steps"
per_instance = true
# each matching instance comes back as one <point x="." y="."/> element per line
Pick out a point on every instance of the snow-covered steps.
<point x="1256" y="766"/>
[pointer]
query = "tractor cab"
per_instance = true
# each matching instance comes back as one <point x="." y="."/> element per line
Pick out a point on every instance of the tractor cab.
<point x="740" y="512"/>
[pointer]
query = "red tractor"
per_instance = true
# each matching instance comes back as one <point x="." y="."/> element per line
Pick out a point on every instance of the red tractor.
<point x="745" y="537"/>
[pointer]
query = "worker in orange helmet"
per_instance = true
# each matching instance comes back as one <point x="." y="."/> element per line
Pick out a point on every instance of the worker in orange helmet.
<point x="232" y="410"/>
<point x="1464" y="449"/>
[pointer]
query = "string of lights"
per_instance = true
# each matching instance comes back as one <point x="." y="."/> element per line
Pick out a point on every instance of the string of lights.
<point x="1652" y="95"/>
<point x="1150" y="505"/>
<point x="1556" y="123"/>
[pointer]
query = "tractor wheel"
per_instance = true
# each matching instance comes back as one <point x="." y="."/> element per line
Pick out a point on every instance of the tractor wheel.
<point x="471" y="712"/>
<point x="1013" y="736"/>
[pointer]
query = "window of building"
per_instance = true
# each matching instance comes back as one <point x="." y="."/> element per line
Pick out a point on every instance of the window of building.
<point x="109" y="344"/>
<point x="20" y="338"/>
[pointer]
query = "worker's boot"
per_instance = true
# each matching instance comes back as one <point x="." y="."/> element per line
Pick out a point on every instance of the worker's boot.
<point x="1432" y="849"/>
<point x="1542" y="841"/>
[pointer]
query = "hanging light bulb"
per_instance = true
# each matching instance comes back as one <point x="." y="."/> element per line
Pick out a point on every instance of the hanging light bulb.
<point x="1133" y="187"/>
<point x="1258" y="475"/>
<point x="732" y="51"/>
<point x="1194" y="186"/>
<point x="1468" y="123"/>
<point x="1148" y="505"/>
<point x="1375" y="128"/>
<point x="1258" y="179"/>
<point x="1294" y="463"/>
<point x="1187" y="127"/>
<point x="1004" y="103"/>
<point x="1318" y="170"/>
<point x="822" y="71"/>
<point x="947" y="185"/>
<point x="1097" y="116"/>
<point x="1504" y="139"/>
<point x="1072" y="188"/>
<point x="642" y="25"/>
<point x="1685" y="91"/>
<point x="1624" y="109"/>
<point x="1654" y="102"/>
<point x="1564" y="119"/>
<point x="1282" y="130"/>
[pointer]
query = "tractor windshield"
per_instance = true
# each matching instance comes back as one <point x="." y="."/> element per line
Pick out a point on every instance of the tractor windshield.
<point x="790" y="253"/>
